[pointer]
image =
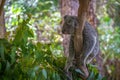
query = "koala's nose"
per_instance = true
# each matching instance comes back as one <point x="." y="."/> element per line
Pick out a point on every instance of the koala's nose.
<point x="63" y="31"/>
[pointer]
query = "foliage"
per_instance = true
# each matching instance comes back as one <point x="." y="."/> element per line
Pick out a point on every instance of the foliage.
<point x="113" y="11"/>
<point x="25" y="59"/>
<point x="21" y="56"/>
<point x="110" y="45"/>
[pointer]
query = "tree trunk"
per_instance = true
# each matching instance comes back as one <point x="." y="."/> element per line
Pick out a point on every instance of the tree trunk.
<point x="2" y="21"/>
<point x="92" y="18"/>
<point x="78" y="38"/>
<point x="68" y="7"/>
<point x="71" y="7"/>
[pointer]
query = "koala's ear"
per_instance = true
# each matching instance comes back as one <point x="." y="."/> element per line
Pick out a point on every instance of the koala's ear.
<point x="65" y="17"/>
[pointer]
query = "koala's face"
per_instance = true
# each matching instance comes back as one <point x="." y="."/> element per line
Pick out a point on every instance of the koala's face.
<point x="70" y="24"/>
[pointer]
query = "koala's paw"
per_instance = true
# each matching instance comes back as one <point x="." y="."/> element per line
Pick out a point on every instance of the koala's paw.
<point x="83" y="72"/>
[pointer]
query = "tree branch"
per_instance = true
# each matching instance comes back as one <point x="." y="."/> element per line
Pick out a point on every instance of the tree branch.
<point x="2" y="6"/>
<point x="78" y="39"/>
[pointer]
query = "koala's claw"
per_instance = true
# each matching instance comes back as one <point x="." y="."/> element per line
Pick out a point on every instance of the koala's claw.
<point x="83" y="72"/>
<point x="68" y="75"/>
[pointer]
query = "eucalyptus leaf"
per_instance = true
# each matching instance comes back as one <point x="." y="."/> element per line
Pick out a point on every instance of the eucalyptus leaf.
<point x="79" y="71"/>
<point x="0" y="66"/>
<point x="44" y="72"/>
<point x="2" y="48"/>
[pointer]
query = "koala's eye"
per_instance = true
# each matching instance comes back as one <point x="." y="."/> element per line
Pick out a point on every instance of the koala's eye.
<point x="69" y="21"/>
<point x="75" y="24"/>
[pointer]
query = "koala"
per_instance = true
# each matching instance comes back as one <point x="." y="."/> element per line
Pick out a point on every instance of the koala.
<point x="90" y="48"/>
<point x="90" y="42"/>
<point x="69" y="28"/>
<point x="70" y="24"/>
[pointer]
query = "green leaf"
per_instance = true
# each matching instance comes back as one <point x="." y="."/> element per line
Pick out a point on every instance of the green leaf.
<point x="79" y="71"/>
<point x="33" y="74"/>
<point x="57" y="77"/>
<point x="0" y="66"/>
<point x="2" y="51"/>
<point x="44" y="72"/>
<point x="104" y="78"/>
<point x="100" y="77"/>
<point x="7" y="66"/>
<point x="53" y="75"/>
<point x="13" y="54"/>
<point x="36" y="68"/>
<point x="30" y="33"/>
<point x="91" y="77"/>
<point x="19" y="35"/>
<point x="106" y="18"/>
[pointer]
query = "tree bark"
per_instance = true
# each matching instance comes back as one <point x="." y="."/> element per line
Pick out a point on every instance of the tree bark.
<point x="92" y="18"/>
<point x="78" y="39"/>
<point x="2" y="2"/>
<point x="71" y="7"/>
<point x="2" y="21"/>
